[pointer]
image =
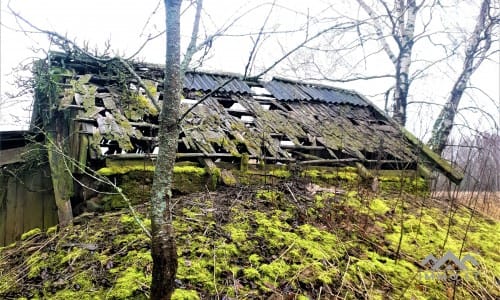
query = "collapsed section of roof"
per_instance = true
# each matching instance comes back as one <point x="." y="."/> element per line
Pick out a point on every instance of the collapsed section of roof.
<point x="111" y="116"/>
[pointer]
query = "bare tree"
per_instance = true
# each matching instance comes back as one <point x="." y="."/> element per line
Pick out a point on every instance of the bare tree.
<point x="477" y="50"/>
<point x="401" y="19"/>
<point x="163" y="247"/>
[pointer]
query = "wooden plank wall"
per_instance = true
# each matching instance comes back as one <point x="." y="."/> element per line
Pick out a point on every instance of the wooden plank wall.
<point x="28" y="202"/>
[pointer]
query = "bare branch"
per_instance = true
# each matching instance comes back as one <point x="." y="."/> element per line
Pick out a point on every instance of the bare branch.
<point x="307" y="40"/>
<point x="251" y="56"/>
<point x="191" y="49"/>
<point x="378" y="30"/>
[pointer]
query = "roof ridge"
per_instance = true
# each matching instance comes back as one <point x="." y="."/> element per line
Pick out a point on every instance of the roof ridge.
<point x="314" y="84"/>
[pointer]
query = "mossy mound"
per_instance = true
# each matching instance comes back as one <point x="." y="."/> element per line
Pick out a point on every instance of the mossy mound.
<point x="268" y="241"/>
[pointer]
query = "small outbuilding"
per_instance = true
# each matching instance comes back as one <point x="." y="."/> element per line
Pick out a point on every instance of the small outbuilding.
<point x="94" y="117"/>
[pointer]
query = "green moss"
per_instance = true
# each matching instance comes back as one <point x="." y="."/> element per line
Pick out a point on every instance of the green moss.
<point x="251" y="273"/>
<point x="115" y="167"/>
<point x="379" y="206"/>
<point x="270" y="195"/>
<point x="255" y="259"/>
<point x="33" y="232"/>
<point x="189" y="170"/>
<point x="215" y="175"/>
<point x="130" y="283"/>
<point x="198" y="271"/>
<point x="182" y="294"/>
<point x="238" y="235"/>
<point x="244" y="162"/>
<point x="326" y="174"/>
<point x="403" y="181"/>
<point x="36" y="263"/>
<point x="401" y="273"/>
<point x="228" y="178"/>
<point x="281" y="173"/>
<point x="52" y="230"/>
<point x="82" y="282"/>
<point x="270" y="244"/>
<point x="115" y="170"/>
<point x="275" y="271"/>
<point x="73" y="255"/>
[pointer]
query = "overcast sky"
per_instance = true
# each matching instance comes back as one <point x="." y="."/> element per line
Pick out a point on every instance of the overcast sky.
<point x="127" y="23"/>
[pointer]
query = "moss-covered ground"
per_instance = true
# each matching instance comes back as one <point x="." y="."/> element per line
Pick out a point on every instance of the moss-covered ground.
<point x="271" y="242"/>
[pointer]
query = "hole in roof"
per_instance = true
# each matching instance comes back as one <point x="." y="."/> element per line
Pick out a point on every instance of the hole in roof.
<point x="146" y="131"/>
<point x="237" y="107"/>
<point x="260" y="90"/>
<point x="353" y="121"/>
<point x="304" y="141"/>
<point x="218" y="148"/>
<point x="141" y="146"/>
<point x="288" y="107"/>
<point x="274" y="107"/>
<point x="109" y="147"/>
<point x="181" y="147"/>
<point x="227" y="103"/>
<point x="286" y="143"/>
<point x="242" y="148"/>
<point x="247" y="119"/>
<point x="190" y="102"/>
<point x="99" y="101"/>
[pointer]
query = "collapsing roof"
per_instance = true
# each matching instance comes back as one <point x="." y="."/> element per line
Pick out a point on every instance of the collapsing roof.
<point x="276" y="121"/>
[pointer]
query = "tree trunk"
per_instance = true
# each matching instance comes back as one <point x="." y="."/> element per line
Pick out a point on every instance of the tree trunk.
<point x="163" y="248"/>
<point x="444" y="122"/>
<point x="60" y="169"/>
<point x="406" y="14"/>
<point x="403" y="17"/>
<point x="477" y="47"/>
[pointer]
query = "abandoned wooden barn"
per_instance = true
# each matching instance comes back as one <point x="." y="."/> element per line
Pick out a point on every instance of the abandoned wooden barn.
<point x="97" y="117"/>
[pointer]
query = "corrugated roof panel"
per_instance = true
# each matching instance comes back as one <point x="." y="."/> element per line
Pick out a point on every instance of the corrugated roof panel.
<point x="207" y="82"/>
<point x="288" y="91"/>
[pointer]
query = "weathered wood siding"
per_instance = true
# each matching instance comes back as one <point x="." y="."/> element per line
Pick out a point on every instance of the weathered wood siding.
<point x="26" y="202"/>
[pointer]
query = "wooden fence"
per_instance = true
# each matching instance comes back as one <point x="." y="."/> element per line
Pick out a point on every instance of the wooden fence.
<point x="26" y="202"/>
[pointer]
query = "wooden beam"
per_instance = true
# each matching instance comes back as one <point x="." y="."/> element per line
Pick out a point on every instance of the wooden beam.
<point x="329" y="161"/>
<point x="362" y="171"/>
<point x="10" y="156"/>
<point x="300" y="147"/>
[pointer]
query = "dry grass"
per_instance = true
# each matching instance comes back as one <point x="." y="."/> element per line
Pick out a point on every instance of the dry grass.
<point x="488" y="203"/>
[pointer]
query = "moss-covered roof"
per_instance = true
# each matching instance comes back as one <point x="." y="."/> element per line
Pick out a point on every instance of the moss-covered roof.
<point x="279" y="121"/>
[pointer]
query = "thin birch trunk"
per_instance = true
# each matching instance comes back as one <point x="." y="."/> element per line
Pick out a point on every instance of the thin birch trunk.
<point x="163" y="248"/>
<point x="475" y="53"/>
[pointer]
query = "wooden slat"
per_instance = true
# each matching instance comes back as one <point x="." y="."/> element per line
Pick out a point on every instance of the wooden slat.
<point x="10" y="208"/>
<point x="20" y="205"/>
<point x="10" y="156"/>
<point x="49" y="210"/>
<point x="3" y="212"/>
<point x="33" y="205"/>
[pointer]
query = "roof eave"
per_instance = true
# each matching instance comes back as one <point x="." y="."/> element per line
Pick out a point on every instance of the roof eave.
<point x="440" y="163"/>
